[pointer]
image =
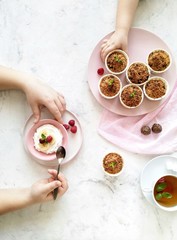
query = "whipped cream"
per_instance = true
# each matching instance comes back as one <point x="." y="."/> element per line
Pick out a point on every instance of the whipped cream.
<point x="48" y="130"/>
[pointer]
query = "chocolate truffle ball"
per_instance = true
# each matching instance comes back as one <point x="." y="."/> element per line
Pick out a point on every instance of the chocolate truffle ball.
<point x="156" y="128"/>
<point x="145" y="130"/>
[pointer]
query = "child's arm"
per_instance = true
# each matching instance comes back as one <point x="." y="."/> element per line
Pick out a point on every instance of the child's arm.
<point x="38" y="94"/>
<point x="41" y="191"/>
<point x="125" y="13"/>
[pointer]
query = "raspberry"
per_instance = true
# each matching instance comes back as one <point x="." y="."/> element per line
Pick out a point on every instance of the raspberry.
<point x="71" y="122"/>
<point x="73" y="129"/>
<point x="66" y="126"/>
<point x="161" y="180"/>
<point x="100" y="71"/>
<point x="49" y="139"/>
<point x="42" y="140"/>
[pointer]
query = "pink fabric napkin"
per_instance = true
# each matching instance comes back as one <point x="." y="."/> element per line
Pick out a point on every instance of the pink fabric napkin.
<point x="125" y="131"/>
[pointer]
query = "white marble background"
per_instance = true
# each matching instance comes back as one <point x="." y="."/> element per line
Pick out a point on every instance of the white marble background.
<point x="53" y="40"/>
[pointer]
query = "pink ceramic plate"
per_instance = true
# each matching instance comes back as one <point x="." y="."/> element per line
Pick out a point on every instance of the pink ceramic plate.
<point x="141" y="42"/>
<point x="74" y="140"/>
<point x="30" y="143"/>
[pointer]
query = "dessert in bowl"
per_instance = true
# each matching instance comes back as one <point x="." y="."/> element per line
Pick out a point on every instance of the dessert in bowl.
<point x="43" y="140"/>
<point x="113" y="164"/>
<point x="138" y="73"/>
<point x="116" y="62"/>
<point x="159" y="61"/>
<point x="109" y="86"/>
<point x="156" y="88"/>
<point x="131" y="96"/>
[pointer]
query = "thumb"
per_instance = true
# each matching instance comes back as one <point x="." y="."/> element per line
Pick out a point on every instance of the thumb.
<point x="36" y="112"/>
<point x="51" y="186"/>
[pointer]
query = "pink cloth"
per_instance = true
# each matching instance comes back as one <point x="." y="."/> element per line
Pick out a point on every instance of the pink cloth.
<point x="125" y="131"/>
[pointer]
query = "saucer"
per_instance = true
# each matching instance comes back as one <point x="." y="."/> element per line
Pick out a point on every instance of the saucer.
<point x="74" y="140"/>
<point x="155" y="168"/>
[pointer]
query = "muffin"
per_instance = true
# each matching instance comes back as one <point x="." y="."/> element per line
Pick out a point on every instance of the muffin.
<point x="131" y="96"/>
<point x="109" y="86"/>
<point x="116" y="62"/>
<point x="138" y="73"/>
<point x="159" y="61"/>
<point x="156" y="88"/>
<point x="113" y="164"/>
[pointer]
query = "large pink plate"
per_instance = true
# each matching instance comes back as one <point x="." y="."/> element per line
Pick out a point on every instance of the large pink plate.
<point x="141" y="42"/>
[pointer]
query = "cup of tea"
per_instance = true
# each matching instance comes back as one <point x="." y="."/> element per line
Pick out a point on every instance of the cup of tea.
<point x="164" y="192"/>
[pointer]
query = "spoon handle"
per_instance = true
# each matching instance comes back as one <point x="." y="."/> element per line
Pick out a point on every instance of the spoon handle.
<point x="55" y="192"/>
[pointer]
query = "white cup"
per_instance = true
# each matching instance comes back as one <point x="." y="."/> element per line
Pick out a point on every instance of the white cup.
<point x="173" y="173"/>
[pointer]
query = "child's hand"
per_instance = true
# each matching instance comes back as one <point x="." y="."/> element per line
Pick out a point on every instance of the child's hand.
<point x="118" y="40"/>
<point x="42" y="190"/>
<point x="39" y="94"/>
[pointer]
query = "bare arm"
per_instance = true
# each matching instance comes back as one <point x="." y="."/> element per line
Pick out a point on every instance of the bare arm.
<point x="41" y="191"/>
<point x="13" y="199"/>
<point x="125" y="14"/>
<point x="119" y="39"/>
<point x="38" y="94"/>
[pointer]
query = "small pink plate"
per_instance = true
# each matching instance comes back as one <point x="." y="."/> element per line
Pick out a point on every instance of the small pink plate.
<point x="74" y="140"/>
<point x="30" y="143"/>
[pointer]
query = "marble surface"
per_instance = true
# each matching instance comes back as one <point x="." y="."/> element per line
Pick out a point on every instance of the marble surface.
<point x="54" y="40"/>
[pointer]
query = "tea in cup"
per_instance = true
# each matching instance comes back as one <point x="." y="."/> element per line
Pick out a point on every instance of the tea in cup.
<point x="164" y="192"/>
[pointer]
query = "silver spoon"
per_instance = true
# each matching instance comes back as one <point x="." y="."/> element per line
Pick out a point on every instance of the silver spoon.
<point x="60" y="154"/>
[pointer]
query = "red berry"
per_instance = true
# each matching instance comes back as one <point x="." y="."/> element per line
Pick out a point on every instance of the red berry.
<point x="42" y="140"/>
<point x="66" y="126"/>
<point x="49" y="139"/>
<point x="100" y="71"/>
<point x="161" y="180"/>
<point x="73" y="129"/>
<point x="71" y="122"/>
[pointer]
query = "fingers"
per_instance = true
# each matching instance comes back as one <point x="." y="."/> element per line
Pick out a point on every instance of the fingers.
<point x="51" y="186"/>
<point x="103" y="45"/>
<point x="61" y="178"/>
<point x="52" y="172"/>
<point x="63" y="181"/>
<point x="106" y="47"/>
<point x="56" y="107"/>
<point x="62" y="101"/>
<point x="55" y="110"/>
<point x="105" y="51"/>
<point x="36" y="112"/>
<point x="60" y="104"/>
<point x="62" y="186"/>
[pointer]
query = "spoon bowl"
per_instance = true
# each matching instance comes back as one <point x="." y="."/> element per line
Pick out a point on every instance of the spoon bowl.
<point x="60" y="153"/>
